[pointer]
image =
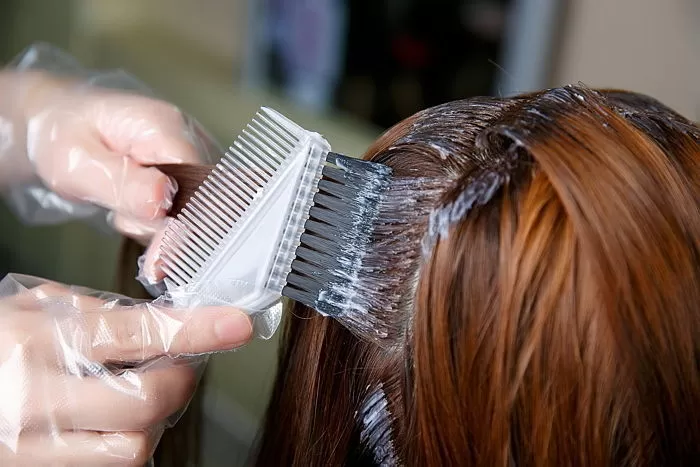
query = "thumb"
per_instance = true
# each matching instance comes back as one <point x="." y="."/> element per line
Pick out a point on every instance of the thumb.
<point x="211" y="329"/>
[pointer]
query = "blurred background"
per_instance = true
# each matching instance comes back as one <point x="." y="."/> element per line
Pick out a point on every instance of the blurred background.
<point x="347" y="69"/>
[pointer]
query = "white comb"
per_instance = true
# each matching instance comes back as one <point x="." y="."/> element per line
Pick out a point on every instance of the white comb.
<point x="235" y="240"/>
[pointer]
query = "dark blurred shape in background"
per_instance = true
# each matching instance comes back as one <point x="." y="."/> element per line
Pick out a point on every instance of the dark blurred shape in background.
<point x="378" y="60"/>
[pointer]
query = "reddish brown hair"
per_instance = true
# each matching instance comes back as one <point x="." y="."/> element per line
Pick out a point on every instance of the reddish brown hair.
<point x="556" y="322"/>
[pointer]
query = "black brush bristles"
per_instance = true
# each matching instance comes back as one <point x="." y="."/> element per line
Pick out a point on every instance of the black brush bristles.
<point x="353" y="263"/>
<point x="337" y="234"/>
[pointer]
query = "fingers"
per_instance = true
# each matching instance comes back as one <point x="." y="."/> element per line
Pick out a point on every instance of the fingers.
<point x="39" y="321"/>
<point x="143" y="332"/>
<point x="147" y="130"/>
<point x="84" y="449"/>
<point x="56" y="291"/>
<point x="96" y="150"/>
<point x="82" y="168"/>
<point x="131" y="402"/>
<point x="30" y="299"/>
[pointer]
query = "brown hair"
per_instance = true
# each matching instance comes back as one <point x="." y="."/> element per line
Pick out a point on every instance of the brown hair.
<point x="556" y="314"/>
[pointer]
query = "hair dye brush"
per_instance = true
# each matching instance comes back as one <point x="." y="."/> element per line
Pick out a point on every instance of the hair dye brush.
<point x="282" y="216"/>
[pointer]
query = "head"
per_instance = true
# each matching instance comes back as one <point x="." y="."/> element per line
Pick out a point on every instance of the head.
<point x="551" y="305"/>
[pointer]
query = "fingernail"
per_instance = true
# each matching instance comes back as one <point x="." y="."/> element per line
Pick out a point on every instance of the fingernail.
<point x="147" y="268"/>
<point x="233" y="330"/>
<point x="160" y="200"/>
<point x="150" y="262"/>
<point x="166" y="203"/>
<point x="143" y="194"/>
<point x="170" y="190"/>
<point x="150" y="265"/>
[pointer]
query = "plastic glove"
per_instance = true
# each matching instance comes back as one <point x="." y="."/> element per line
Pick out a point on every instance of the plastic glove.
<point x="88" y="378"/>
<point x="151" y="276"/>
<point x="73" y="144"/>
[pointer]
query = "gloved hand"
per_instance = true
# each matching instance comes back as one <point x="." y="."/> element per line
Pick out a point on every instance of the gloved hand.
<point x="77" y="145"/>
<point x="87" y="378"/>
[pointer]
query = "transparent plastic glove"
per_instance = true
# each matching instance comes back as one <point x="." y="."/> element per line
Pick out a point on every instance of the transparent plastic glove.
<point x="89" y="378"/>
<point x="77" y="144"/>
<point x="151" y="276"/>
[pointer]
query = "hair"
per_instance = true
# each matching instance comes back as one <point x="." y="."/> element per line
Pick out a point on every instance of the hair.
<point x="188" y="178"/>
<point x="554" y="316"/>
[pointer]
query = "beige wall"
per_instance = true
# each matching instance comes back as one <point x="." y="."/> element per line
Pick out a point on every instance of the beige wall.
<point x="217" y="27"/>
<point x="648" y="46"/>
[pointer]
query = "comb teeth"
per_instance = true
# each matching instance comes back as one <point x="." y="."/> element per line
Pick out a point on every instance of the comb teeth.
<point x="226" y="196"/>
